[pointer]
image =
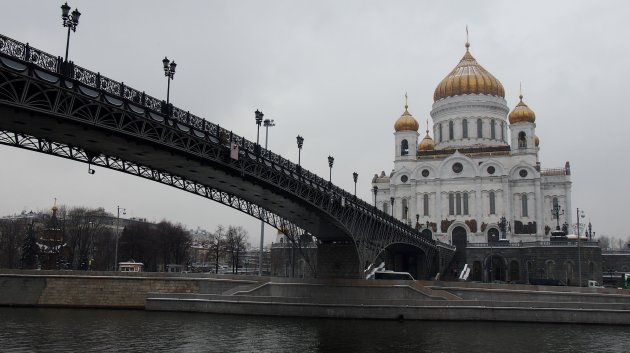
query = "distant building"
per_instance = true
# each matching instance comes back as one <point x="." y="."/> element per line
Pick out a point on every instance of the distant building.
<point x="130" y="266"/>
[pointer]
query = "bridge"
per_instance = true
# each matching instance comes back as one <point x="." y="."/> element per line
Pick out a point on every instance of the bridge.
<point x="52" y="106"/>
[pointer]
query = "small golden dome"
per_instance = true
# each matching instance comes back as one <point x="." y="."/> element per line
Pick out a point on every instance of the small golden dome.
<point x="426" y="144"/>
<point x="406" y="122"/>
<point x="468" y="77"/>
<point x="521" y="113"/>
<point x="536" y="140"/>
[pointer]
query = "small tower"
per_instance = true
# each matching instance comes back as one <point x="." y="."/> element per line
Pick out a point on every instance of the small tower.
<point x="406" y="135"/>
<point x="523" y="129"/>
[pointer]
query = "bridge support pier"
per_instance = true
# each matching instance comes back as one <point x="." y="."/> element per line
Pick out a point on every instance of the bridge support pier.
<point x="338" y="260"/>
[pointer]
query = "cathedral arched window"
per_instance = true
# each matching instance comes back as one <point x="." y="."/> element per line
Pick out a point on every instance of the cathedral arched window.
<point x="405" y="209"/>
<point x="554" y="204"/>
<point x="425" y="201"/>
<point x="458" y="203"/>
<point x="404" y="148"/>
<point x="451" y="204"/>
<point x="450" y="130"/>
<point x="522" y="140"/>
<point x="492" y="203"/>
<point x="440" y="131"/>
<point x="493" y="132"/>
<point x="465" y="203"/>
<point x="502" y="132"/>
<point x="465" y="128"/>
<point x="479" y="128"/>
<point x="524" y="205"/>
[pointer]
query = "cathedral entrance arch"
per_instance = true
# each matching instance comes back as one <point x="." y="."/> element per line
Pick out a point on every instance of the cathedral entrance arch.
<point x="493" y="235"/>
<point x="460" y="239"/>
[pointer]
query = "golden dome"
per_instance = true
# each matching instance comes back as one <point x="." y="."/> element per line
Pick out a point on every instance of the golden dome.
<point x="426" y="144"/>
<point x="536" y="140"/>
<point x="468" y="77"/>
<point x="406" y="122"/>
<point x="521" y="113"/>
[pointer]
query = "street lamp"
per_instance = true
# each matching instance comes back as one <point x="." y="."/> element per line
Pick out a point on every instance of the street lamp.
<point x="355" y="176"/>
<point x="259" y="118"/>
<point x="391" y="199"/>
<point x="71" y="21"/>
<point x="579" y="214"/>
<point x="331" y="160"/>
<point x="300" y="142"/>
<point x="375" y="191"/>
<point x="169" y="72"/>
<point x="555" y="211"/>
<point x="267" y="123"/>
<point x="124" y="212"/>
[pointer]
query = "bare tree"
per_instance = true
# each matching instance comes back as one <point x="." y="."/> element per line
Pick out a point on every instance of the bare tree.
<point x="217" y="243"/>
<point x="236" y="244"/>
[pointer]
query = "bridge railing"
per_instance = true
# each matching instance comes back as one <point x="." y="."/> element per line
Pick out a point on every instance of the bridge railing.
<point x="55" y="64"/>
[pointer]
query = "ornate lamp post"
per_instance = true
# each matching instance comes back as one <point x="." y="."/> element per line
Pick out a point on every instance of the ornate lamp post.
<point x="259" y="118"/>
<point x="331" y="160"/>
<point x="355" y="176"/>
<point x="169" y="72"/>
<point x="300" y="143"/>
<point x="375" y="191"/>
<point x="579" y="214"/>
<point x="71" y="21"/>
<point x="555" y="211"/>
<point x="391" y="200"/>
<point x="267" y="123"/>
<point x="124" y="212"/>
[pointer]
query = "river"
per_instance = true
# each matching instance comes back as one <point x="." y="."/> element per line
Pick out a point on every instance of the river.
<point x="85" y="330"/>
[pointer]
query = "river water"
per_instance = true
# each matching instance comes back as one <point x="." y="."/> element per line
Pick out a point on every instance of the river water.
<point x="83" y="330"/>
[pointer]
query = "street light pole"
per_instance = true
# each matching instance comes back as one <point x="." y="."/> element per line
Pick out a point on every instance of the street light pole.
<point x="268" y="123"/>
<point x="118" y="208"/>
<point x="331" y="160"/>
<point x="259" y="118"/>
<point x="169" y="72"/>
<point x="578" y="245"/>
<point x="71" y="21"/>
<point x="355" y="176"/>
<point x="391" y="199"/>
<point x="375" y="190"/>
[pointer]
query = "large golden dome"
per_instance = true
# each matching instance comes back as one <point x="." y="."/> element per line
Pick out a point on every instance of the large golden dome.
<point x="426" y="144"/>
<point x="406" y="122"/>
<point x="468" y="77"/>
<point x="521" y="113"/>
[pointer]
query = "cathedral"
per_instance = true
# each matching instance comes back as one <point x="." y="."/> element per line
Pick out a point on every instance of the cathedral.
<point x="475" y="177"/>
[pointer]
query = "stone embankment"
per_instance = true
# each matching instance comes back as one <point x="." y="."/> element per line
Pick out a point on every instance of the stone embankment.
<point x="358" y="299"/>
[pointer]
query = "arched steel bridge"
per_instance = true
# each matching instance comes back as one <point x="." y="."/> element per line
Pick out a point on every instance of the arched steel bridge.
<point x="55" y="107"/>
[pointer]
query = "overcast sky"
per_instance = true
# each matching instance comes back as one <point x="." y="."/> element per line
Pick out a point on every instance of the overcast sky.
<point x="336" y="73"/>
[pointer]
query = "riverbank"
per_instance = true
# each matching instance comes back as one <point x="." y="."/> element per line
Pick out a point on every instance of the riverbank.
<point x="353" y="299"/>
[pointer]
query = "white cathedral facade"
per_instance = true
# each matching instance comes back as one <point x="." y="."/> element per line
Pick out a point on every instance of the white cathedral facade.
<point x="481" y="166"/>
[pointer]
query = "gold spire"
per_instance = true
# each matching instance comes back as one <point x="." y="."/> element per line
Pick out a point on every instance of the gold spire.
<point x="521" y="113"/>
<point x="467" y="45"/>
<point x="406" y="122"/>
<point x="427" y="142"/>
